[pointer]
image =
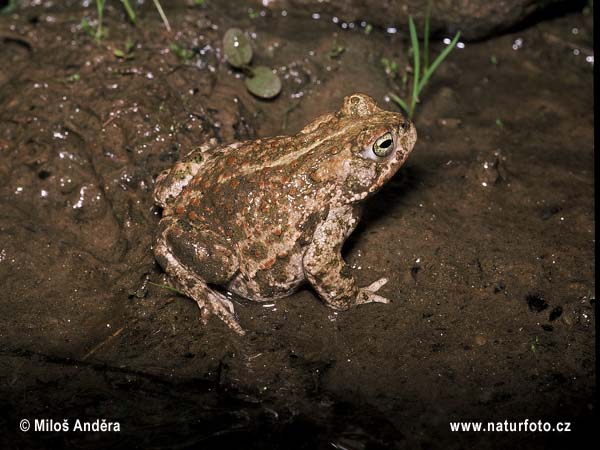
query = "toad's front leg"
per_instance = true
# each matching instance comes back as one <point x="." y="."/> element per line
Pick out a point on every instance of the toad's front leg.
<point x="325" y="268"/>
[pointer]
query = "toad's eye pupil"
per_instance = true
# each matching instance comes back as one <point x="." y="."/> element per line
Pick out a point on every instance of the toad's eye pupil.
<point x="384" y="145"/>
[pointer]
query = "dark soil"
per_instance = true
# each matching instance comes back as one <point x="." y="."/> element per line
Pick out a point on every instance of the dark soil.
<point x="486" y="234"/>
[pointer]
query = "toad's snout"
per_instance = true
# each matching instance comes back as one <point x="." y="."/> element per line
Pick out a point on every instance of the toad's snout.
<point x="407" y="137"/>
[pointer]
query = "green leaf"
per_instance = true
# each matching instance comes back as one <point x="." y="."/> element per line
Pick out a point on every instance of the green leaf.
<point x="263" y="83"/>
<point x="237" y="48"/>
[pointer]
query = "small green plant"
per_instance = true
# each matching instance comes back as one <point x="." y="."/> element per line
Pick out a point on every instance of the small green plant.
<point x="535" y="344"/>
<point x="181" y="52"/>
<point x="260" y="81"/>
<point x="336" y="49"/>
<point x="100" y="33"/>
<point x="390" y="67"/>
<point x="87" y="28"/>
<point x="74" y="78"/>
<point x="127" y="52"/>
<point x="421" y="74"/>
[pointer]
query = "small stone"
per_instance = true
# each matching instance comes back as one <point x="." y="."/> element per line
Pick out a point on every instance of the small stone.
<point x="480" y="340"/>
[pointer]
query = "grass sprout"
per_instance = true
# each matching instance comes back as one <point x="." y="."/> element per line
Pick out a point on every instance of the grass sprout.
<point x="167" y="287"/>
<point x="100" y="33"/>
<point x="421" y="73"/>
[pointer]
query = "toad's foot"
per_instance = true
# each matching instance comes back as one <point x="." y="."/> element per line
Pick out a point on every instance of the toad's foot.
<point x="216" y="304"/>
<point x="188" y="282"/>
<point x="368" y="295"/>
<point x="193" y="286"/>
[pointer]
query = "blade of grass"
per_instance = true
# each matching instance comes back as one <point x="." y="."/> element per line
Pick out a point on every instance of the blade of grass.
<point x="162" y="15"/>
<point x="438" y="61"/>
<point x="400" y="102"/>
<point x="426" y="38"/>
<point x="167" y="287"/>
<point x="414" y="41"/>
<point x="129" y="10"/>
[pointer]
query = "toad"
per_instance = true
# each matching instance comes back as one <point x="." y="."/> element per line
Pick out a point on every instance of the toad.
<point x="261" y="218"/>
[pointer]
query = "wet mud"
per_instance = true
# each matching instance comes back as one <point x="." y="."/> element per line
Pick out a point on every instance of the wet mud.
<point x="486" y="235"/>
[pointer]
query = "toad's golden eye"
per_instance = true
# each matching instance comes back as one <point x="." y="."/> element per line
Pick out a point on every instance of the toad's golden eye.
<point x="384" y="145"/>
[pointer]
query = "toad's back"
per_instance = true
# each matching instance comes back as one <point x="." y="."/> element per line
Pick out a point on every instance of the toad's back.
<point x="254" y="187"/>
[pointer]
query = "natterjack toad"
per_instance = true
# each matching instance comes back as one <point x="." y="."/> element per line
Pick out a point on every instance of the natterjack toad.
<point x="260" y="218"/>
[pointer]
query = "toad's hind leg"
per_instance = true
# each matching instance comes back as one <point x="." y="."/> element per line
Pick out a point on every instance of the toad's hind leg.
<point x="178" y="251"/>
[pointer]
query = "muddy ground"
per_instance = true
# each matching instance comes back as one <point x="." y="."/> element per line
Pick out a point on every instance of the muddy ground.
<point x="486" y="235"/>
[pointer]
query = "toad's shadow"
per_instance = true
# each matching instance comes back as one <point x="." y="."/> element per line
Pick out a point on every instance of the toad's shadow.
<point x="385" y="202"/>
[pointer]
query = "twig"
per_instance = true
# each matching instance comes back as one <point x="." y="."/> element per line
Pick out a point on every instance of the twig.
<point x="103" y="343"/>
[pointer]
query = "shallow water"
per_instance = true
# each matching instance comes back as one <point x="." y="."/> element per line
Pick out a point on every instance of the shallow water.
<point x="486" y="235"/>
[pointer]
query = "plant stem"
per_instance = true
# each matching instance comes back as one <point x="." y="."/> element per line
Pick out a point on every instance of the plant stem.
<point x="162" y="15"/>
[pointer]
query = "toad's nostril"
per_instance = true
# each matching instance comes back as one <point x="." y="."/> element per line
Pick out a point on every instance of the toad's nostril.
<point x="405" y="126"/>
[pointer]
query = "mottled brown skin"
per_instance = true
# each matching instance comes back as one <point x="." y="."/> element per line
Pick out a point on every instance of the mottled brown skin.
<point x="260" y="218"/>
